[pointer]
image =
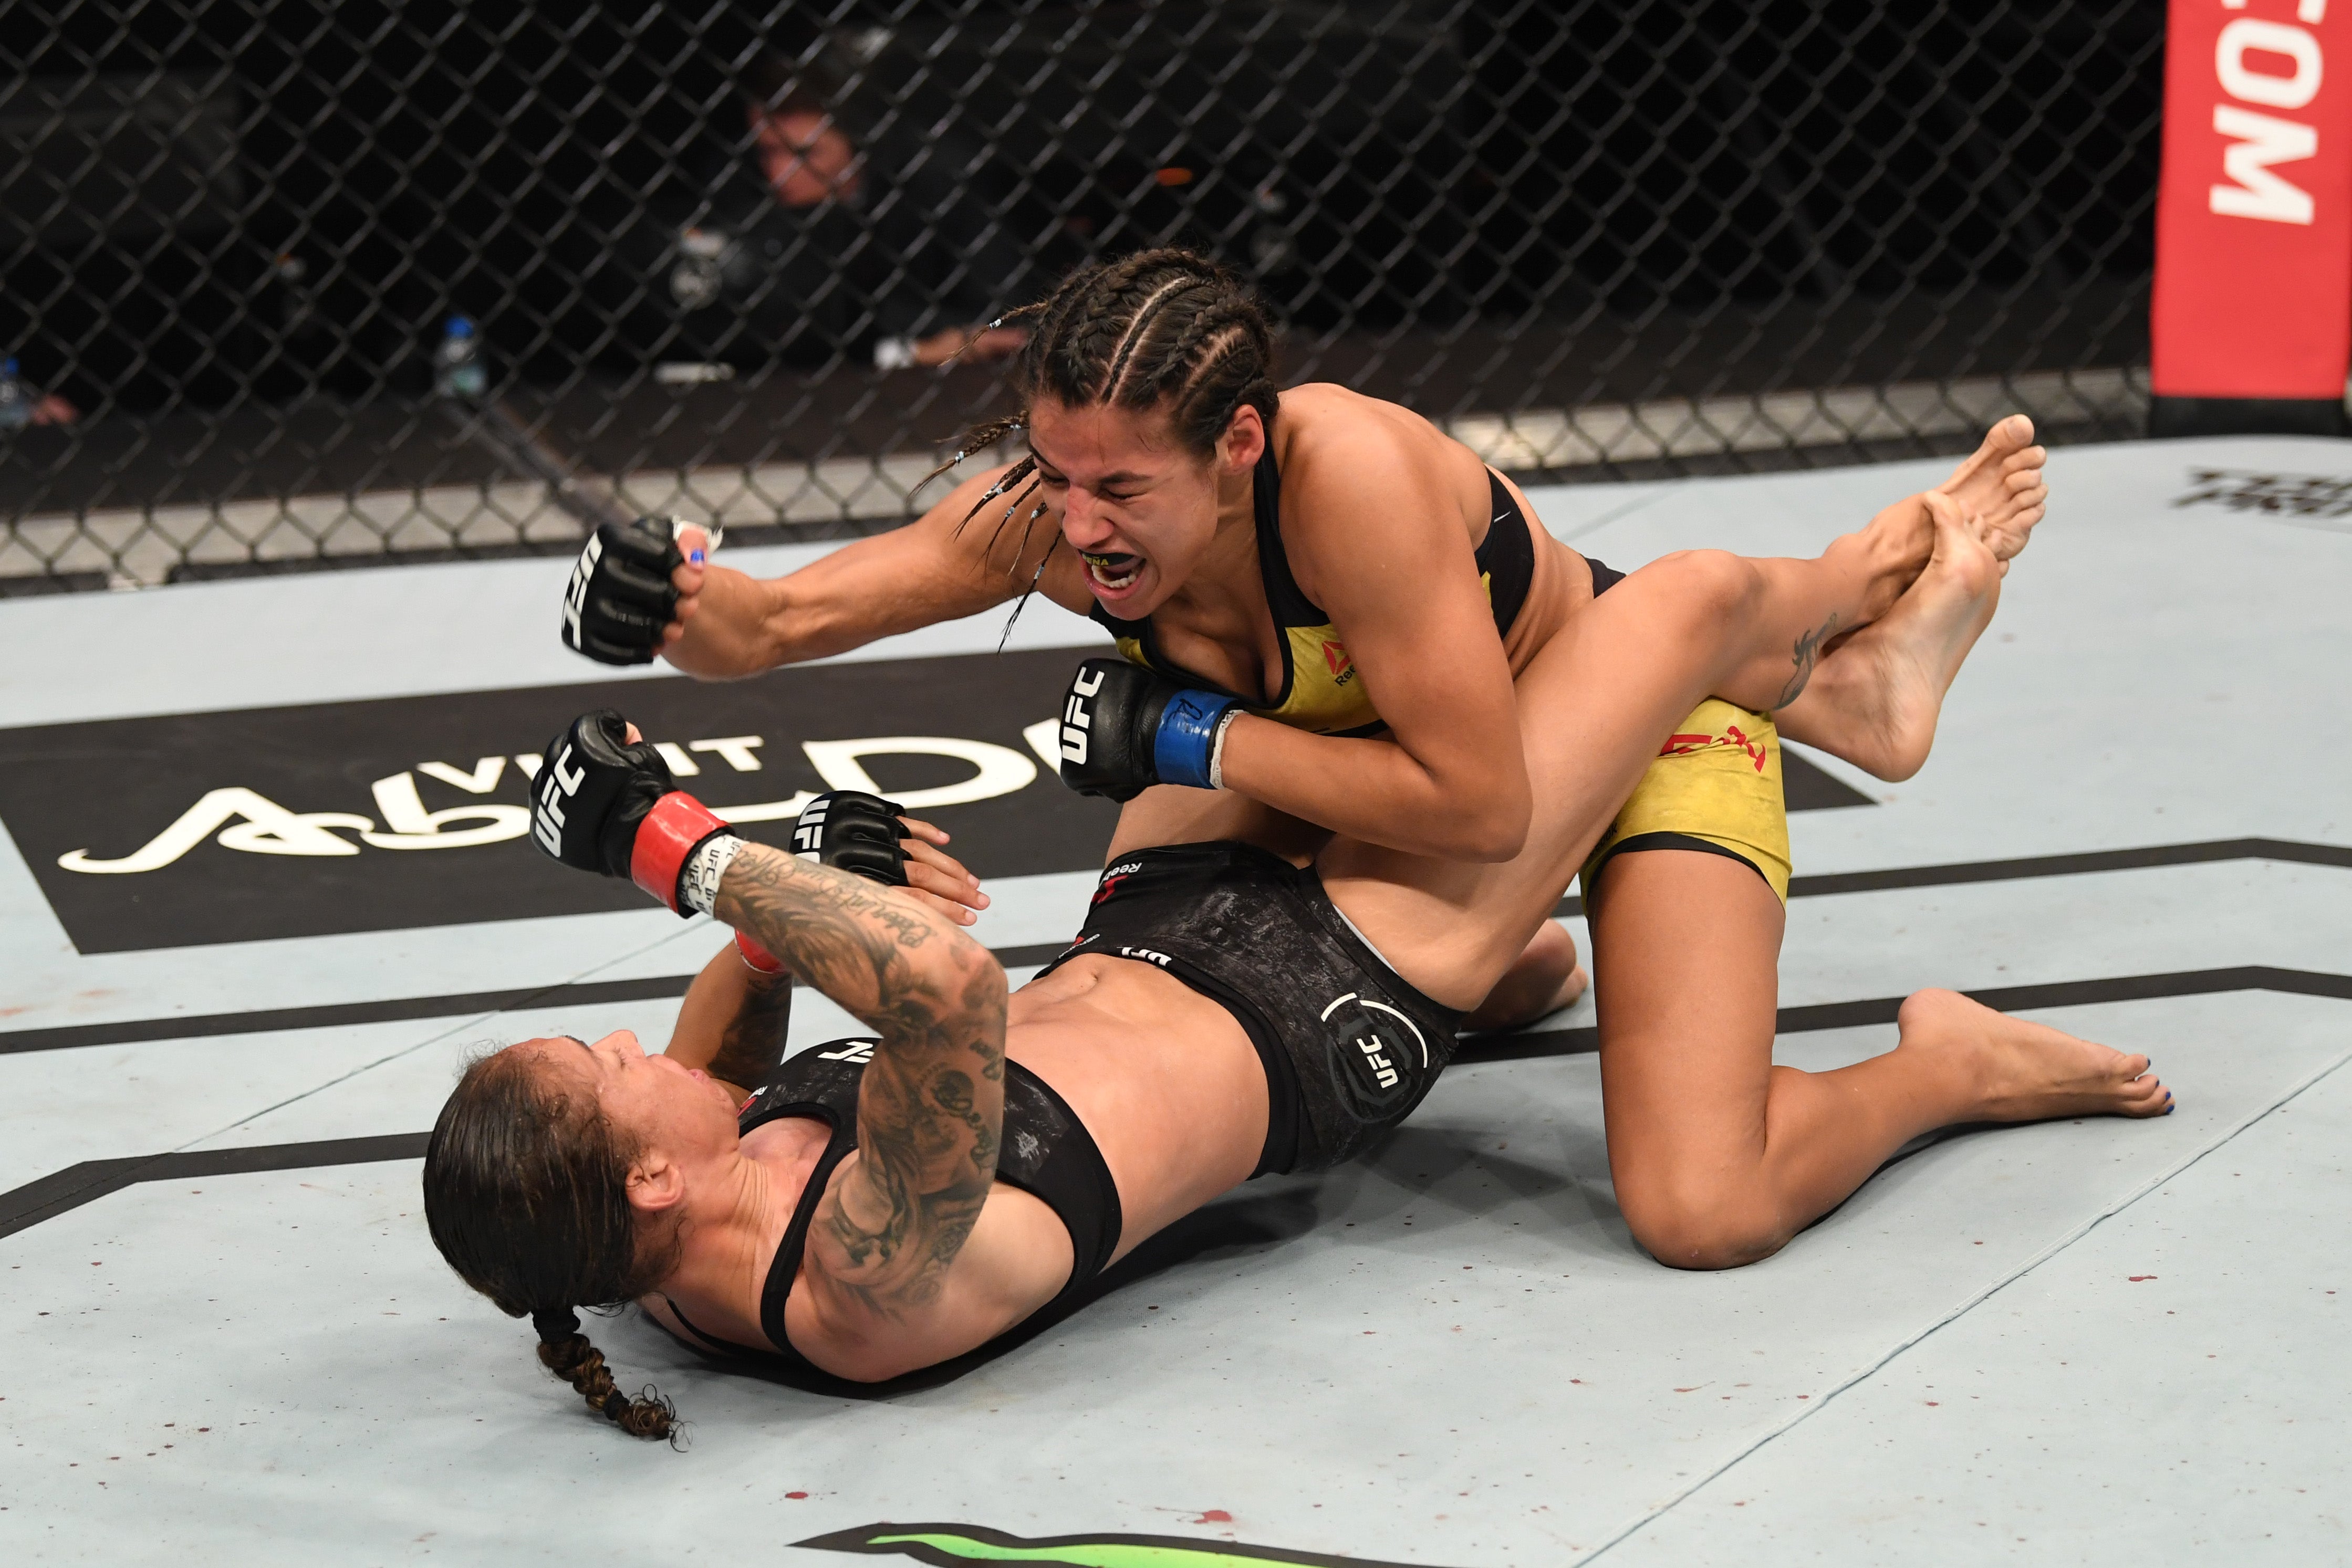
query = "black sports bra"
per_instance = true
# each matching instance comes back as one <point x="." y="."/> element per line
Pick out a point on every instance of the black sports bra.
<point x="1320" y="690"/>
<point x="1043" y="1149"/>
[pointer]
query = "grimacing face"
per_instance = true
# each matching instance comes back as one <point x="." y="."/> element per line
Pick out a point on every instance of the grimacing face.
<point x="1139" y="508"/>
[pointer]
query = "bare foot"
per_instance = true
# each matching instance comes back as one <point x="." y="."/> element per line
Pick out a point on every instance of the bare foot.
<point x="2000" y="487"/>
<point x="1541" y="980"/>
<point x="1876" y="696"/>
<point x="1999" y="493"/>
<point x="2013" y="1070"/>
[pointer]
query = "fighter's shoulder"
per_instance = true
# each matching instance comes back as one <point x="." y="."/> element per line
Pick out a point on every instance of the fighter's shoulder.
<point x="1330" y="439"/>
<point x="1357" y="469"/>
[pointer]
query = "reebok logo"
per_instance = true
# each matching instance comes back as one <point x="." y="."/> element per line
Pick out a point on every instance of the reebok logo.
<point x="1733" y="738"/>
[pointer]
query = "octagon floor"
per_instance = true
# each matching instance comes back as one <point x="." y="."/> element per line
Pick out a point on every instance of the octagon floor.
<point x="226" y="1337"/>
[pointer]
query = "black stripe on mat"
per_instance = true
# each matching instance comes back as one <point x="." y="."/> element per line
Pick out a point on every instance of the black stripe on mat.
<point x="196" y="1025"/>
<point x="2003" y="998"/>
<point x="2033" y="866"/>
<point x="593" y="992"/>
<point x="71" y="1189"/>
<point x="93" y="1179"/>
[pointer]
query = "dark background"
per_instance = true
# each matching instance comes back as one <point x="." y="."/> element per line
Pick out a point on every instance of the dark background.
<point x="1460" y="204"/>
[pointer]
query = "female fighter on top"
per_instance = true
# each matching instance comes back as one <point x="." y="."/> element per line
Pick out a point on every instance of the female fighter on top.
<point x="1315" y="560"/>
<point x="882" y="1206"/>
<point x="1274" y="578"/>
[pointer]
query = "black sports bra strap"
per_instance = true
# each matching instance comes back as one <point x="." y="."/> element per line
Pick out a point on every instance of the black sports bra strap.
<point x="786" y="1269"/>
<point x="1290" y="605"/>
<point x="781" y="1274"/>
<point x="1507" y="555"/>
<point x="708" y="1340"/>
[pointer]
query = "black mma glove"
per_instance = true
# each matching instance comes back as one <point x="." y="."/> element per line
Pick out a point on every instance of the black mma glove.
<point x="621" y="599"/>
<point x="1124" y="729"/>
<point x="603" y="804"/>
<point x="853" y="832"/>
<point x="849" y="830"/>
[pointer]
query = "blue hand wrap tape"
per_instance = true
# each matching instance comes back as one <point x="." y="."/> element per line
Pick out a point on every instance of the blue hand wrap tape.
<point x="1180" y="748"/>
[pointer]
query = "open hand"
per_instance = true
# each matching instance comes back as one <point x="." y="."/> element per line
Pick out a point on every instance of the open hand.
<point x="938" y="877"/>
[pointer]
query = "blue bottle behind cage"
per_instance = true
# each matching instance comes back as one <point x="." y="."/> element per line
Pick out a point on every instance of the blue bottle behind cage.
<point x="15" y="402"/>
<point x="457" y="368"/>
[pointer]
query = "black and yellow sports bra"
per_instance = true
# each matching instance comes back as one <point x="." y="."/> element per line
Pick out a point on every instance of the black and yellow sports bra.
<point x="1320" y="688"/>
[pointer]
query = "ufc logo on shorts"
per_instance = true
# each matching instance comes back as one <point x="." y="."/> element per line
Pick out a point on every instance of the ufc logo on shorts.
<point x="852" y="1050"/>
<point x="1146" y="954"/>
<point x="1375" y="1050"/>
<point x="1076" y="719"/>
<point x="555" y="786"/>
<point x="575" y="597"/>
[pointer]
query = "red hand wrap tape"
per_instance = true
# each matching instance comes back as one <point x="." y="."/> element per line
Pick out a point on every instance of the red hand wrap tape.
<point x="759" y="957"/>
<point x="677" y="823"/>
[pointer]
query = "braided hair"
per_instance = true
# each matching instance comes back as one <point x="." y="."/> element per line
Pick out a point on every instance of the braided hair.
<point x="526" y="1195"/>
<point x="1166" y="331"/>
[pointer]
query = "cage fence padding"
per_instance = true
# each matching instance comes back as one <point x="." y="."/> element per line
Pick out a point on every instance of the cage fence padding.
<point x="289" y="281"/>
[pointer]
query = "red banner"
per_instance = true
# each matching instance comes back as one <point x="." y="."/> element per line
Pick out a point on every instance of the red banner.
<point x="2254" y="220"/>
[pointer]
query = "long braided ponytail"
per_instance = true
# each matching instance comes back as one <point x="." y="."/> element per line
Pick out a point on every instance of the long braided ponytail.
<point x="526" y="1196"/>
<point x="1163" y="329"/>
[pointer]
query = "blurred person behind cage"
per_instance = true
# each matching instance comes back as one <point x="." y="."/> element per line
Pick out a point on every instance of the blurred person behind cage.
<point x="829" y="230"/>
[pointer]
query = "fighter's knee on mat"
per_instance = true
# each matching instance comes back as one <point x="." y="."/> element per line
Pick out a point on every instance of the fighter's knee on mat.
<point x="1702" y="1224"/>
<point x="1545" y="977"/>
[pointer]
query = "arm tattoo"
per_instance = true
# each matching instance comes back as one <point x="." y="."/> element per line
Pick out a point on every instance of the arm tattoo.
<point x="932" y="1101"/>
<point x="1806" y="653"/>
<point x="753" y="1042"/>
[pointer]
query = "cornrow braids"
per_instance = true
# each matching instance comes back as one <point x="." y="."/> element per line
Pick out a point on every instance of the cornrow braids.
<point x="972" y="339"/>
<point x="1034" y="577"/>
<point x="526" y="1196"/>
<point x="979" y="438"/>
<point x="1160" y="329"/>
<point x="1139" y="329"/>
<point x="1163" y="328"/>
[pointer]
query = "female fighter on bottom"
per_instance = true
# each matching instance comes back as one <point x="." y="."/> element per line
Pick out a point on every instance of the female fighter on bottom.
<point x="882" y="1206"/>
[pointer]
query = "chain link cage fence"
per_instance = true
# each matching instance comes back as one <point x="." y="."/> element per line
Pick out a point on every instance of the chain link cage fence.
<point x="294" y="282"/>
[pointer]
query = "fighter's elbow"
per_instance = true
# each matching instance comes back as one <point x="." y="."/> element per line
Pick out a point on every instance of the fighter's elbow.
<point x="1490" y="827"/>
<point x="968" y="975"/>
<point x="1498" y="842"/>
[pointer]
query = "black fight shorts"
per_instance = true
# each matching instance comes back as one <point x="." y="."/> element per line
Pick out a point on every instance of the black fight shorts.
<point x="1349" y="1049"/>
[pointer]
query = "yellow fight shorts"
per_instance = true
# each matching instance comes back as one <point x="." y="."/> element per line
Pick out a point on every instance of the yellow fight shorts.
<point x="1715" y="787"/>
